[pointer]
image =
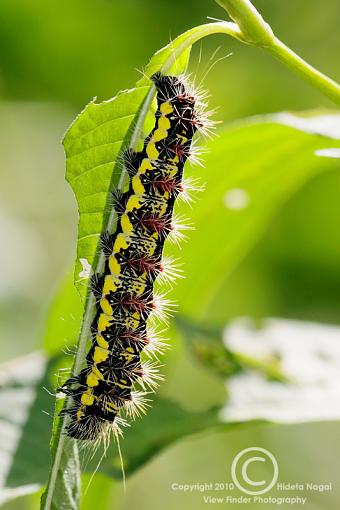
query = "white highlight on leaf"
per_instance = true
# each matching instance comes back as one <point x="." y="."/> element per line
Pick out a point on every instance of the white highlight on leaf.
<point x="326" y="125"/>
<point x="7" y="494"/>
<point x="17" y="379"/>
<point x="87" y="269"/>
<point x="309" y="356"/>
<point x="328" y="153"/>
<point x="236" y="199"/>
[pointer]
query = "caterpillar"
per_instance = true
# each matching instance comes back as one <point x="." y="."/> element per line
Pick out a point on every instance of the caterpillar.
<point x="113" y="384"/>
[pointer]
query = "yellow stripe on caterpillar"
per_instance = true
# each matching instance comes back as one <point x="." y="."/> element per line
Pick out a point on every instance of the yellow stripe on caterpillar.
<point x="166" y="108"/>
<point x="110" y="283"/>
<point x="100" y="354"/>
<point x="104" y="322"/>
<point x="102" y="342"/>
<point x="151" y="150"/>
<point x="126" y="224"/>
<point x="159" y="134"/>
<point x="97" y="372"/>
<point x="87" y="399"/>
<point x="145" y="165"/>
<point x="92" y="380"/>
<point x="164" y="123"/>
<point x="94" y="377"/>
<point x="120" y="243"/>
<point x="114" y="269"/>
<point x="106" y="307"/>
<point x="134" y="202"/>
<point x="137" y="185"/>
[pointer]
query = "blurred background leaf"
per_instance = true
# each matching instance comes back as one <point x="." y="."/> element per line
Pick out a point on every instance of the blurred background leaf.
<point x="25" y="430"/>
<point x="251" y="171"/>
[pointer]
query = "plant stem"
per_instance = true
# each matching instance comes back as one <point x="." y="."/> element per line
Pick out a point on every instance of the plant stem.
<point x="254" y="30"/>
<point x="326" y="85"/>
<point x="250" y="22"/>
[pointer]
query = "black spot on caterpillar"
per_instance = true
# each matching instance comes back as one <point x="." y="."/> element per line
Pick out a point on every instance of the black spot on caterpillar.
<point x="105" y="390"/>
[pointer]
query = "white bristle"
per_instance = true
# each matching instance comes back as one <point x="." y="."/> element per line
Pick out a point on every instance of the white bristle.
<point x="196" y="154"/>
<point x="179" y="228"/>
<point x="163" y="309"/>
<point x="138" y="404"/>
<point x="170" y="271"/>
<point x="150" y="375"/>
<point x="190" y="186"/>
<point x="157" y="345"/>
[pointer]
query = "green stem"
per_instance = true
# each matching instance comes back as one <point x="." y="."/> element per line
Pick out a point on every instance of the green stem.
<point x="254" y="30"/>
<point x="326" y="85"/>
<point x="250" y="22"/>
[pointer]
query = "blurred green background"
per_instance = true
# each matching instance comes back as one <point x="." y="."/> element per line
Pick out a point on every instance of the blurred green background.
<point x="55" y="56"/>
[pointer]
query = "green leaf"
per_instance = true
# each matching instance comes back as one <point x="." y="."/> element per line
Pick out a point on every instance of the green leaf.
<point x="67" y="484"/>
<point x="92" y="145"/>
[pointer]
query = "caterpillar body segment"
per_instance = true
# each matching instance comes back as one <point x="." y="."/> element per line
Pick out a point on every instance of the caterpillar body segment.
<point x="106" y="389"/>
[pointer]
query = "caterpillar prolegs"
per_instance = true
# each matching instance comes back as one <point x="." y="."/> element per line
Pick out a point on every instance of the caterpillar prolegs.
<point x="106" y="390"/>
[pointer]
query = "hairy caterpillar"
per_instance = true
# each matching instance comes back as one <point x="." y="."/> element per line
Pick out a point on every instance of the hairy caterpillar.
<point x="106" y="388"/>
